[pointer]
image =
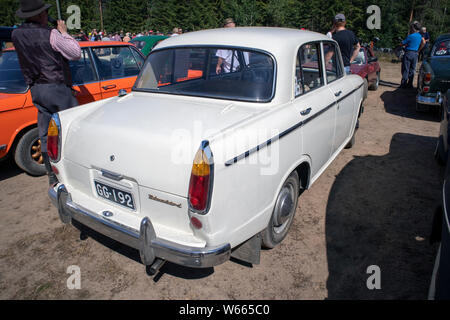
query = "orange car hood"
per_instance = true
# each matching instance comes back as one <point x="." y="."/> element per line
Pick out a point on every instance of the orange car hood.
<point x="10" y="101"/>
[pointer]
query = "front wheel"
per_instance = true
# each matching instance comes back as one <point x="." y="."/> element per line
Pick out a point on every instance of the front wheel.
<point x="374" y="86"/>
<point x="28" y="154"/>
<point x="283" y="212"/>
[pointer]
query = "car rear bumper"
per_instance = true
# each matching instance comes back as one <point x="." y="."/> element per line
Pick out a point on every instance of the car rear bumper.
<point x="432" y="101"/>
<point x="150" y="247"/>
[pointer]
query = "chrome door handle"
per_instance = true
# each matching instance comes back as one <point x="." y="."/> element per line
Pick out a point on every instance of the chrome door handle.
<point x="111" y="86"/>
<point x="305" y="112"/>
<point x="337" y="94"/>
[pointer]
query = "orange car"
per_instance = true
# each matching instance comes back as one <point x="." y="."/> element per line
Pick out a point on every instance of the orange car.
<point x="104" y="69"/>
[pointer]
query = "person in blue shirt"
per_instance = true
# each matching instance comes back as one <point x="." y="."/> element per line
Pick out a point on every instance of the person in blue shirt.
<point x="413" y="44"/>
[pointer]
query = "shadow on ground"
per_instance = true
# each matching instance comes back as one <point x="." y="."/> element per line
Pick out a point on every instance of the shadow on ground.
<point x="9" y="169"/>
<point x="386" y="222"/>
<point x="402" y="102"/>
<point x="133" y="254"/>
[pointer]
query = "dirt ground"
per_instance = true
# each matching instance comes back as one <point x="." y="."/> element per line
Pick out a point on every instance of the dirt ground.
<point x="373" y="206"/>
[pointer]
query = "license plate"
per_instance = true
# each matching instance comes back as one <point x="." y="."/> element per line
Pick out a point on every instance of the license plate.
<point x="115" y="195"/>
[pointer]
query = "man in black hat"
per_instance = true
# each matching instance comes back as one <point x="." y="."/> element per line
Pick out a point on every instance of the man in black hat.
<point x="43" y="54"/>
<point x="347" y="40"/>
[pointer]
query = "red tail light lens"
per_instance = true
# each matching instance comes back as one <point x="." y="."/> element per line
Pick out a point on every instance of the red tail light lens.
<point x="53" y="139"/>
<point x="201" y="180"/>
<point x="427" y="78"/>
<point x="426" y="89"/>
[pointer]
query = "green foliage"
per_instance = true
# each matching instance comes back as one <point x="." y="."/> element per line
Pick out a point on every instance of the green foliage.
<point x="164" y="15"/>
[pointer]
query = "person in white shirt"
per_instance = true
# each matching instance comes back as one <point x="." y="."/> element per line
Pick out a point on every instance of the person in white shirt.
<point x="226" y="57"/>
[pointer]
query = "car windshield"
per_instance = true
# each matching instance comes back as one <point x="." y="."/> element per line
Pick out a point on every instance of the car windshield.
<point x="442" y="48"/>
<point x="11" y="77"/>
<point x="226" y="73"/>
<point x="139" y="44"/>
<point x="360" y="58"/>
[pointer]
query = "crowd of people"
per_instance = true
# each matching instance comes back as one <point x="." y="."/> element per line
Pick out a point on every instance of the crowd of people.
<point x="102" y="35"/>
<point x="414" y="46"/>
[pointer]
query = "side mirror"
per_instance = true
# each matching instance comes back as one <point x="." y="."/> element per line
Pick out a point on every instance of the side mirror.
<point x="373" y="59"/>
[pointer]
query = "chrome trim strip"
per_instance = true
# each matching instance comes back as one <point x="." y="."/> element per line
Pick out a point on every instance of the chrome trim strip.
<point x="351" y="92"/>
<point x="286" y="132"/>
<point x="281" y="135"/>
<point x="111" y="175"/>
<point x="143" y="240"/>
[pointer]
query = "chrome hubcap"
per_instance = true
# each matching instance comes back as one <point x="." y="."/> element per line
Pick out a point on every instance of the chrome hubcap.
<point x="284" y="208"/>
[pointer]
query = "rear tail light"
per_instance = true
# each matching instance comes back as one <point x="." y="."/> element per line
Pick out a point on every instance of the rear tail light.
<point x="427" y="78"/>
<point x="426" y="89"/>
<point x="200" y="185"/>
<point x="53" y="138"/>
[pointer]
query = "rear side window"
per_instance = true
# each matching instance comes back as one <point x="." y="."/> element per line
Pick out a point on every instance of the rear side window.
<point x="11" y="77"/>
<point x="115" y="62"/>
<point x="82" y="70"/>
<point x="308" y="73"/>
<point x="333" y="66"/>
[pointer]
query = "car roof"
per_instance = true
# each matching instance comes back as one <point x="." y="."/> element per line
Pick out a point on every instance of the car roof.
<point x="84" y="44"/>
<point x="443" y="37"/>
<point x="143" y="38"/>
<point x="264" y="38"/>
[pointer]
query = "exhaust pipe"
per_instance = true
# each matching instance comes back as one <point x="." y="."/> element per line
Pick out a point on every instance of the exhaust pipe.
<point x="155" y="266"/>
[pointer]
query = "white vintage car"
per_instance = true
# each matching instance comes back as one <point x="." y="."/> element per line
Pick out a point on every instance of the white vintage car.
<point x="206" y="157"/>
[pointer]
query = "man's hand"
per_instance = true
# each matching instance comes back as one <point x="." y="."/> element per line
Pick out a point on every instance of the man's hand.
<point x="219" y="65"/>
<point x="357" y="47"/>
<point x="62" y="27"/>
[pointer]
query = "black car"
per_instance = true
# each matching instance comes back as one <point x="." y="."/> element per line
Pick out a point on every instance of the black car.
<point x="442" y="146"/>
<point x="440" y="280"/>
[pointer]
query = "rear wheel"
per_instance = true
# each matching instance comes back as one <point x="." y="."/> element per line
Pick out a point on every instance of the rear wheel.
<point x="28" y="154"/>
<point x="283" y="212"/>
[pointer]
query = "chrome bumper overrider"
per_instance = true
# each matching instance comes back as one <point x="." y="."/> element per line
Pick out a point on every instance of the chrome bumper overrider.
<point x="150" y="247"/>
<point x="432" y="101"/>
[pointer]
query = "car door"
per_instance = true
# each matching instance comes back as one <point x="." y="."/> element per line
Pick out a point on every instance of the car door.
<point x="84" y="78"/>
<point x="341" y="88"/>
<point x="314" y="104"/>
<point x="117" y="68"/>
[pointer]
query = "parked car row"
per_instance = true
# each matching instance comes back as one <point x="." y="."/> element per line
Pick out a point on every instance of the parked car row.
<point x="103" y="70"/>
<point x="147" y="43"/>
<point x="203" y="161"/>
<point x="367" y="67"/>
<point x="434" y="74"/>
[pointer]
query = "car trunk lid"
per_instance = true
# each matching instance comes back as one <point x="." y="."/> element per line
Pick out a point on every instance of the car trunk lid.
<point x="151" y="138"/>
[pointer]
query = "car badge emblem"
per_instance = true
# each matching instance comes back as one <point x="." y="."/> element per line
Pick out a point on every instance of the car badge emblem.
<point x="107" y="214"/>
<point x="112" y="158"/>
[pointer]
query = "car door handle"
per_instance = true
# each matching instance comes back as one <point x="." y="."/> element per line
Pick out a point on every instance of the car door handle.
<point x="305" y="112"/>
<point x="111" y="86"/>
<point x="337" y="94"/>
